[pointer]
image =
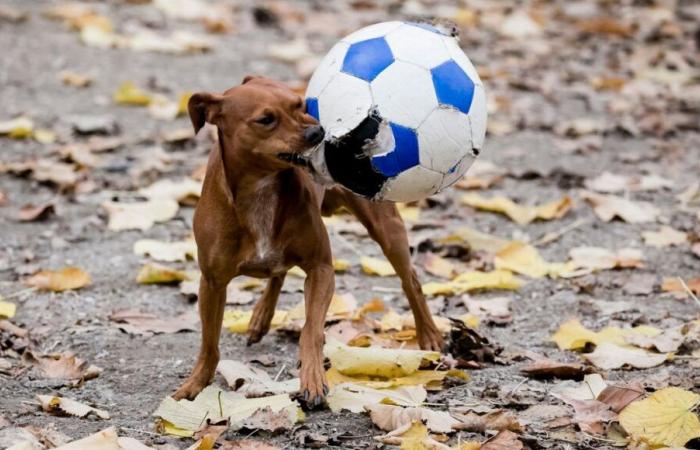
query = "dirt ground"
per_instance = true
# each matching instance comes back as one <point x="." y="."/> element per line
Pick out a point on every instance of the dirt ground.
<point x="533" y="92"/>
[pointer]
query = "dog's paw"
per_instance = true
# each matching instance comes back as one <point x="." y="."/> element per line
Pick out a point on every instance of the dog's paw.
<point x="189" y="389"/>
<point x="313" y="388"/>
<point x="431" y="339"/>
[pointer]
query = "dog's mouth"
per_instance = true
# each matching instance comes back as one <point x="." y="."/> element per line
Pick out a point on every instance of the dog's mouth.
<point x="298" y="159"/>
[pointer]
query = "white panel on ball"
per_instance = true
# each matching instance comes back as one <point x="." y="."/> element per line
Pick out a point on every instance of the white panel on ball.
<point x="416" y="182"/>
<point x="371" y="32"/>
<point x="347" y="100"/>
<point x="458" y="173"/>
<point x="444" y="138"/>
<point x="461" y="59"/>
<point x="404" y="94"/>
<point x="327" y="69"/>
<point x="478" y="116"/>
<point x="418" y="46"/>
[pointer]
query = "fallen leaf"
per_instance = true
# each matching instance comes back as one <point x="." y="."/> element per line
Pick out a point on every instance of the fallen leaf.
<point x="588" y="389"/>
<point x="65" y="366"/>
<point x="391" y="321"/>
<point x="246" y="444"/>
<point x="139" y="215"/>
<point x="159" y="274"/>
<point x="665" y="418"/>
<point x="184" y="191"/>
<point x="497" y="419"/>
<point x="467" y="345"/>
<point x="166" y="251"/>
<point x="665" y="237"/>
<point x="68" y="278"/>
<point x="618" y="396"/>
<point x="136" y="322"/>
<point x="18" y="128"/>
<point x="665" y="342"/>
<point x="607" y="207"/>
<point x="78" y="16"/>
<point x="438" y="266"/>
<point x="522" y="215"/>
<point x="591" y="415"/>
<point x="381" y="362"/>
<point x="430" y="379"/>
<point x="610" y="183"/>
<point x="63" y="405"/>
<point x="571" y="335"/>
<point x="605" y="25"/>
<point x="518" y="25"/>
<point x="609" y="356"/>
<point x="524" y="259"/>
<point x="674" y="286"/>
<point x="547" y="368"/>
<point x="491" y="310"/>
<point x="472" y="281"/>
<point x="390" y="417"/>
<point x="7" y="309"/>
<point x="476" y="240"/>
<point x="354" y="397"/>
<point x="504" y="440"/>
<point x="32" y="213"/>
<point x="546" y="416"/>
<point x="269" y="420"/>
<point x="186" y="416"/>
<point x="253" y="382"/>
<point x="129" y="94"/>
<point x="376" y="266"/>
<point x="102" y="440"/>
<point x="74" y="79"/>
<point x="237" y="321"/>
<point x="596" y="258"/>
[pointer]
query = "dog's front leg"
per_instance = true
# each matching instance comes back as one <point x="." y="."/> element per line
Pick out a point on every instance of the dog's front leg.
<point x="264" y="310"/>
<point x="318" y="291"/>
<point x="212" y="299"/>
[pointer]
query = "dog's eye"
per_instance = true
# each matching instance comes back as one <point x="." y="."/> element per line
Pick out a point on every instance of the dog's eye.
<point x="267" y="119"/>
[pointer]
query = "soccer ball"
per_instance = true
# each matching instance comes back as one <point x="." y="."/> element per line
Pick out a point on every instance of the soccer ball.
<point x="403" y="108"/>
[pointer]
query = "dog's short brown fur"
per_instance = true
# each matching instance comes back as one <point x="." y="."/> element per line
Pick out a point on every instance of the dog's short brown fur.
<point x="260" y="215"/>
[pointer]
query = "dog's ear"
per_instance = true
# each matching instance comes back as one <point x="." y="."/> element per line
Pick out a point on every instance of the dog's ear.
<point x="249" y="77"/>
<point x="203" y="107"/>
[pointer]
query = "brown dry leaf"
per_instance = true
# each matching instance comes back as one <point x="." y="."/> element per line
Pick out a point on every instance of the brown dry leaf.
<point x="33" y="213"/>
<point x="78" y="16"/>
<point x="497" y="419"/>
<point x="139" y="215"/>
<point x="139" y="323"/>
<point x="591" y="415"/>
<point x="665" y="237"/>
<point x="160" y="274"/>
<point x="546" y="416"/>
<point x="482" y="175"/>
<point x="607" y="207"/>
<point x="269" y="420"/>
<point x="547" y="368"/>
<point x="64" y="366"/>
<point x="490" y="310"/>
<point x="522" y="215"/>
<point x="246" y="444"/>
<point x="65" y="279"/>
<point x="390" y="417"/>
<point x="63" y="405"/>
<point x="609" y="356"/>
<point x="674" y="286"/>
<point x="75" y="79"/>
<point x="605" y="25"/>
<point x="504" y="440"/>
<point x="619" y="396"/>
<point x="61" y="174"/>
<point x="412" y="436"/>
<point x="438" y="266"/>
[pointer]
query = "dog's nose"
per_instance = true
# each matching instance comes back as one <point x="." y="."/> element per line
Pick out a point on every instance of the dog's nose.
<point x="314" y="134"/>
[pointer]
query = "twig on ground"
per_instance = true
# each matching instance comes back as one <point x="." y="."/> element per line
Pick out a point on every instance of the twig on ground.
<point x="284" y="366"/>
<point x="554" y="235"/>
<point x="687" y="289"/>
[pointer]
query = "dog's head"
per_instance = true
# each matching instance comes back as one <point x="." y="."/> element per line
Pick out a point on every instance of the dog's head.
<point x="260" y="116"/>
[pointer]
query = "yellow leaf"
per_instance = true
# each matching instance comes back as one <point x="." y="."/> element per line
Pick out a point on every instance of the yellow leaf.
<point x="18" y="128"/>
<point x="166" y="251"/>
<point x="376" y="266"/>
<point x="237" y="321"/>
<point x="408" y="213"/>
<point x="354" y="397"/>
<point x="374" y="305"/>
<point x="182" y="103"/>
<point x="391" y="321"/>
<point x="430" y="379"/>
<point x="469" y="445"/>
<point x="666" y="418"/>
<point x="438" y="266"/>
<point x="341" y="307"/>
<point x="168" y="428"/>
<point x="60" y="280"/>
<point x="375" y="361"/>
<point x="159" y="274"/>
<point x="471" y="281"/>
<point x="341" y="265"/>
<point x="7" y="309"/>
<point x="476" y="240"/>
<point x="297" y="272"/>
<point x="518" y="213"/>
<point x="571" y="335"/>
<point x="129" y="94"/>
<point x="524" y="259"/>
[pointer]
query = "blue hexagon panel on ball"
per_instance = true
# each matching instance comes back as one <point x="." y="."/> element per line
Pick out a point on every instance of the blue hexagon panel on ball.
<point x="404" y="110"/>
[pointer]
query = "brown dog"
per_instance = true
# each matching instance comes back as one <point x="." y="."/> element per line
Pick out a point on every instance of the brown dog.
<point x="259" y="215"/>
